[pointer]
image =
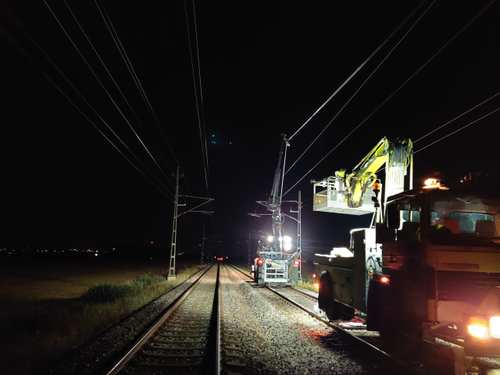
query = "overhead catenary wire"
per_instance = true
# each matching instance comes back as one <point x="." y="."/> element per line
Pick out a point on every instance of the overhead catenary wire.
<point x="363" y="83"/>
<point x="101" y="84"/>
<point x="488" y="99"/>
<point x="101" y="60"/>
<point x="158" y="185"/>
<point x="161" y="190"/>
<point x="196" y="93"/>
<point x="200" y="81"/>
<point x="393" y="93"/>
<point x="130" y="68"/>
<point x="418" y="70"/>
<point x="469" y="124"/>
<point x="358" y="69"/>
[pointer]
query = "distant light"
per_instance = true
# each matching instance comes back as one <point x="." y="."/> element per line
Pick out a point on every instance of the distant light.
<point x="314" y="275"/>
<point x="270" y="238"/>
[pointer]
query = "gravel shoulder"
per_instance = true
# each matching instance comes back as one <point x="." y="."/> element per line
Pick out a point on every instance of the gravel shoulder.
<point x="262" y="333"/>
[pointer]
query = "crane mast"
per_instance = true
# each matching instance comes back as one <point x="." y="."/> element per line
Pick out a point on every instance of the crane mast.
<point x="275" y="255"/>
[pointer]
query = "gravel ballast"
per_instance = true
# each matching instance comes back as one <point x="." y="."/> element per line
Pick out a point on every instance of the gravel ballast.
<point x="262" y="333"/>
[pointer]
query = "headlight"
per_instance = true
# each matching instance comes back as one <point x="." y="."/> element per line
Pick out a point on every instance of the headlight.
<point x="478" y="328"/>
<point x="495" y="327"/>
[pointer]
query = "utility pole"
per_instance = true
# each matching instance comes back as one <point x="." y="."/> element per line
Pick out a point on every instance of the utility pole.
<point x="177" y="215"/>
<point x="173" y="244"/>
<point x="299" y="231"/>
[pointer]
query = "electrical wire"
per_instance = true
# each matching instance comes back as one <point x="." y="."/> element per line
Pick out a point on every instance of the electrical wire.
<point x="196" y="93"/>
<point x="96" y="127"/>
<point x="392" y="94"/>
<point x="130" y="67"/>
<point x="101" y="60"/>
<point x="94" y="74"/>
<point x="200" y="81"/>
<point x="471" y="123"/>
<point x="158" y="185"/>
<point x="365" y="81"/>
<point x="490" y="98"/>
<point x="356" y="71"/>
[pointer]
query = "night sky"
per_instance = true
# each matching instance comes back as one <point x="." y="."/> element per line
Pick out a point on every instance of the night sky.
<point x="266" y="66"/>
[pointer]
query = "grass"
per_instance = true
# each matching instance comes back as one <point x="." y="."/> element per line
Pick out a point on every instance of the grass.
<point x="107" y="292"/>
<point x="306" y="284"/>
<point x="38" y="329"/>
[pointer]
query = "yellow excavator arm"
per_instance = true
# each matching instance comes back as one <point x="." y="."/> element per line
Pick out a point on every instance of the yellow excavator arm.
<point x="363" y="175"/>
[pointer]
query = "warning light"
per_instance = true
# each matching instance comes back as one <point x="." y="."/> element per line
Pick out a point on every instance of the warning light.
<point x="434" y="183"/>
<point x="384" y="280"/>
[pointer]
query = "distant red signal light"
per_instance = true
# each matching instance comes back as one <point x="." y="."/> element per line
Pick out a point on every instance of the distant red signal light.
<point x="260" y="261"/>
<point x="296" y="263"/>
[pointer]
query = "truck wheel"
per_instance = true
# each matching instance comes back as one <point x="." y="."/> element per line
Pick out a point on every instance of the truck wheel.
<point x="326" y="295"/>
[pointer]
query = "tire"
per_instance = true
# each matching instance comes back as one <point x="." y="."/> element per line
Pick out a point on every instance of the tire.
<point x="326" y="296"/>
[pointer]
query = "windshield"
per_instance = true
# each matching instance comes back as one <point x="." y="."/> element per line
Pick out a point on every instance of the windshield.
<point x="449" y="226"/>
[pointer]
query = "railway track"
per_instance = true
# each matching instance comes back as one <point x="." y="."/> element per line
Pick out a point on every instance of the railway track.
<point x="307" y="303"/>
<point x="186" y="337"/>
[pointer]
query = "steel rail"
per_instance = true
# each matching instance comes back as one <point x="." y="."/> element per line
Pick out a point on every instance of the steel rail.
<point x="342" y="330"/>
<point x="151" y="331"/>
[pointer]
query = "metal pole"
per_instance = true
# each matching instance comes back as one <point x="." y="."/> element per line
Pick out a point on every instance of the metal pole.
<point x="299" y="233"/>
<point x="173" y="244"/>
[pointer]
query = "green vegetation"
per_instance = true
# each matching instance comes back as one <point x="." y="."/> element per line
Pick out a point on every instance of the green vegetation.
<point x="41" y="325"/>
<point x="107" y="292"/>
<point x="305" y="284"/>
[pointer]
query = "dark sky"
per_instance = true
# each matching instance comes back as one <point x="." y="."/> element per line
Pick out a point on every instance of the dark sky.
<point x="265" y="67"/>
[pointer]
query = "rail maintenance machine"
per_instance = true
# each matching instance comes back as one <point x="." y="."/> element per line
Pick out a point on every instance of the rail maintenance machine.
<point x="428" y="267"/>
<point x="277" y="261"/>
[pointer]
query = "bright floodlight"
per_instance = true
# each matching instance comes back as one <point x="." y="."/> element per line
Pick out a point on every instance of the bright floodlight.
<point x="270" y="238"/>
<point x="287" y="243"/>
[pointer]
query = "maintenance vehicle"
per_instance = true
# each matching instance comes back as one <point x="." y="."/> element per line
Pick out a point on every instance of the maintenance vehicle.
<point x="427" y="268"/>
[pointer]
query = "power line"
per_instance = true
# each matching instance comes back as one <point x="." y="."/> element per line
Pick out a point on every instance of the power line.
<point x="356" y="71"/>
<point x="457" y="117"/>
<point x="473" y="122"/>
<point x="416" y="72"/>
<point x="105" y="90"/>
<point x="392" y="94"/>
<point x="161" y="188"/>
<point x="84" y="115"/>
<point x="200" y="81"/>
<point x="365" y="81"/>
<point x="196" y="94"/>
<point x="130" y="67"/>
<point x="101" y="60"/>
